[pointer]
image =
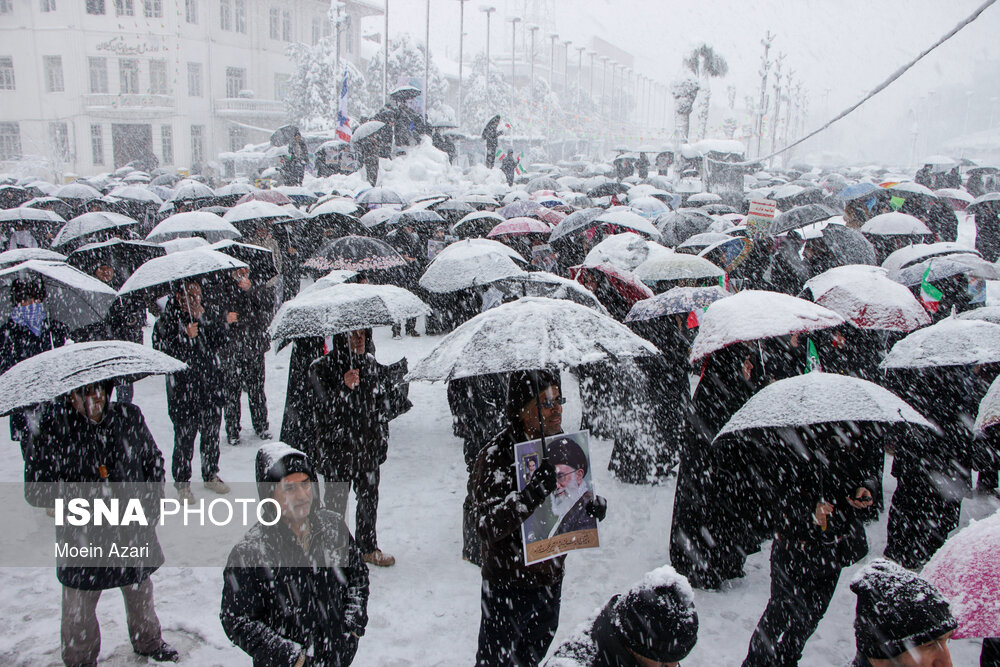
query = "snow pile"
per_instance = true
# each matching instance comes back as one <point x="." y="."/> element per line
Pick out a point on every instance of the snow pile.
<point x="950" y="342"/>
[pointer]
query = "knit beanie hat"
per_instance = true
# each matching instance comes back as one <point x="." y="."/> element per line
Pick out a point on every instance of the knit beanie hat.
<point x="524" y="387"/>
<point x="656" y="618"/>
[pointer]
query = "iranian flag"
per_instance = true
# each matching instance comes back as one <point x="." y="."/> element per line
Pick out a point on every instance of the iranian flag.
<point x="343" y="122"/>
<point x="518" y="169"/>
<point x="930" y="296"/>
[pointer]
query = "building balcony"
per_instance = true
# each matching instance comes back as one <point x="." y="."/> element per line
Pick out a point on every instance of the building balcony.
<point x="128" y="106"/>
<point x="249" y="109"/>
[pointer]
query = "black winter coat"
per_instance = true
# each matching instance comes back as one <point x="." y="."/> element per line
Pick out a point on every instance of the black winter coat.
<point x="69" y="448"/>
<point x="275" y="612"/>
<point x="17" y="343"/>
<point x="298" y="422"/>
<point x="189" y="391"/>
<point x="248" y="335"/>
<point x="124" y="321"/>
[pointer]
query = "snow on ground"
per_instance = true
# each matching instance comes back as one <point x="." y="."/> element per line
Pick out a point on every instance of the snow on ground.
<point x="425" y="610"/>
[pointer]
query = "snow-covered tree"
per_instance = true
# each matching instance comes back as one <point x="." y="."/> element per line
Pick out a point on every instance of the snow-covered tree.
<point x="481" y="101"/>
<point x="406" y="61"/>
<point x="314" y="87"/>
<point x="684" y="91"/>
<point x="704" y="63"/>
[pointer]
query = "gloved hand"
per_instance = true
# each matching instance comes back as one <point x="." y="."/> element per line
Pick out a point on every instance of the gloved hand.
<point x="597" y="508"/>
<point x="541" y="484"/>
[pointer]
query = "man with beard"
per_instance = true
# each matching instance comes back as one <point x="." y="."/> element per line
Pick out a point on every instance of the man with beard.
<point x="572" y="493"/>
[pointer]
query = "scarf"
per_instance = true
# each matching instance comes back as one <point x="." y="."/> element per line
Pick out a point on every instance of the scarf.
<point x="31" y="316"/>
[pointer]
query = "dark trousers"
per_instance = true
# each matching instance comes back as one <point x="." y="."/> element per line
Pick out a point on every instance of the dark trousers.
<point x="517" y="625"/>
<point x="919" y="522"/>
<point x="800" y="594"/>
<point x="207" y="423"/>
<point x="471" y="542"/>
<point x="990" y="656"/>
<point x="81" y="633"/>
<point x="365" y="487"/>
<point x="411" y="327"/>
<point x="246" y="374"/>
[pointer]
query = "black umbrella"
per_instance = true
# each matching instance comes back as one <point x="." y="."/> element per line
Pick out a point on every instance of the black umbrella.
<point x="355" y="253"/>
<point x="678" y="226"/>
<point x="575" y="222"/>
<point x="476" y="224"/>
<point x="124" y="256"/>
<point x="491" y="125"/>
<point x="846" y="246"/>
<point x="260" y="260"/>
<point x="801" y="216"/>
<point x="12" y="196"/>
<point x="608" y="190"/>
<point x="283" y="135"/>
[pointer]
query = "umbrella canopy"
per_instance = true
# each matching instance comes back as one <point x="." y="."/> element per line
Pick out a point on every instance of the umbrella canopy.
<point x="966" y="570"/>
<point x="909" y="187"/>
<point x="283" y="135"/>
<point x="698" y="242"/>
<point x="946" y="267"/>
<point x="160" y="272"/>
<point x="895" y="223"/>
<point x="136" y="193"/>
<point x="193" y="223"/>
<point x="72" y="297"/>
<point x="260" y="260"/>
<point x="608" y="189"/>
<point x="628" y="221"/>
<point x="806" y="399"/>
<point x="526" y="334"/>
<point x="31" y="215"/>
<point x="678" y="226"/>
<point x="234" y="189"/>
<point x="18" y="255"/>
<point x="355" y="253"/>
<point x="676" y="301"/>
<point x="335" y="206"/>
<point x="377" y="216"/>
<point x="857" y="191"/>
<point x="867" y="297"/>
<point x="184" y="243"/>
<point x="466" y="264"/>
<point x="271" y="196"/>
<point x="753" y="315"/>
<point x="335" y="277"/>
<point x="520" y="226"/>
<point x="521" y="208"/>
<point x="989" y="409"/>
<point x="800" y="216"/>
<point x="576" y="222"/>
<point x="297" y="194"/>
<point x="626" y="251"/>
<point x="550" y="286"/>
<point x="255" y="211"/>
<point x="344" y="307"/>
<point x="624" y="282"/>
<point x="950" y="342"/>
<point x="57" y="372"/>
<point x="846" y="245"/>
<point x="541" y="183"/>
<point x="455" y="206"/>
<point x="415" y="218"/>
<point x="478" y="223"/>
<point x="77" y="192"/>
<point x="704" y="198"/>
<point x="405" y="92"/>
<point x="124" y="256"/>
<point x="676" y="266"/>
<point x="192" y="191"/>
<point x="380" y="196"/>
<point x="365" y="130"/>
<point x="91" y="223"/>
<point x="911" y="254"/>
<point x="985" y="313"/>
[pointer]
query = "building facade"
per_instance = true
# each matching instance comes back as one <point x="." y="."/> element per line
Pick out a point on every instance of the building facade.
<point x="87" y="86"/>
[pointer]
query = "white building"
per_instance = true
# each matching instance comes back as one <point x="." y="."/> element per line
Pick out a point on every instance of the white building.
<point x="89" y="85"/>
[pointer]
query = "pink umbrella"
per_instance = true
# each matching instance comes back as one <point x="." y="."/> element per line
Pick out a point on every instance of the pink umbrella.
<point x="518" y="226"/>
<point x="967" y="571"/>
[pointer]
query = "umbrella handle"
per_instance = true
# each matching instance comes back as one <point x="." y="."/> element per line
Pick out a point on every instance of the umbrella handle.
<point x="538" y="407"/>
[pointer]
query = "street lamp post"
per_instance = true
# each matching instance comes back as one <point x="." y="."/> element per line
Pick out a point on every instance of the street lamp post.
<point x="566" y="43"/>
<point x="385" y="58"/>
<point x="514" y="20"/>
<point x="427" y="60"/>
<point x="552" y="60"/>
<point x="604" y="85"/>
<point x="531" y="56"/>
<point x="489" y="13"/>
<point x="461" y="45"/>
<point x="579" y="72"/>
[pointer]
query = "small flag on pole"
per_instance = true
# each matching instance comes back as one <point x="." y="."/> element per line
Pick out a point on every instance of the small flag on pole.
<point x="930" y="296"/>
<point x="812" y="358"/>
<point x="518" y="169"/>
<point x="343" y="125"/>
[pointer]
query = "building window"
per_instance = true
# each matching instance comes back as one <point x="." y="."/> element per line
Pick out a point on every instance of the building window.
<point x="280" y="86"/>
<point x="194" y="79"/>
<point x="10" y="141"/>
<point x="98" y="75"/>
<point x="59" y="139"/>
<point x="6" y="6"/>
<point x="191" y="11"/>
<point x="97" y="144"/>
<point x="48" y="5"/>
<point x="158" y="77"/>
<point x="125" y="7"/>
<point x="275" y="23"/>
<point x="152" y="9"/>
<point x="226" y="14"/>
<point x="95" y="7"/>
<point x="286" y="25"/>
<point x="197" y="144"/>
<point x="128" y="75"/>
<point x="237" y="138"/>
<point x="53" y="74"/>
<point x="241" y="16"/>
<point x="167" y="143"/>
<point x="236" y="80"/>
<point x="6" y="73"/>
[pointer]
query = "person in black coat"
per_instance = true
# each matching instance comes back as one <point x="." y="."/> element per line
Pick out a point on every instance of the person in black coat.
<point x="298" y="421"/>
<point x="295" y="592"/>
<point x="90" y="443"/>
<point x="28" y="331"/>
<point x="491" y="133"/>
<point x="248" y="313"/>
<point x="818" y="533"/>
<point x="196" y="336"/>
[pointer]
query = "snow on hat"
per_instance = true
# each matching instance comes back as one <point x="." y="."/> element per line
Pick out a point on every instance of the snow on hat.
<point x="275" y="461"/>
<point x="524" y="387"/>
<point x="897" y="611"/>
<point x="568" y="453"/>
<point x="656" y="618"/>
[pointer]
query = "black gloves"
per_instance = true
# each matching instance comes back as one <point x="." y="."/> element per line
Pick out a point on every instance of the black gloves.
<point x="541" y="484"/>
<point x="597" y="508"/>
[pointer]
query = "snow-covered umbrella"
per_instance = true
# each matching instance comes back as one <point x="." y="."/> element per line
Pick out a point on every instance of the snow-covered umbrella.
<point x="405" y="92"/>
<point x="18" y="255"/>
<point x="376" y="217"/>
<point x="676" y="266"/>
<point x="676" y="301"/>
<point x="985" y="313"/>
<point x="193" y="223"/>
<point x="79" y="192"/>
<point x="950" y="342"/>
<point x="966" y="570"/>
<point x="521" y="208"/>
<point x="160" y="273"/>
<point x="467" y="265"/>
<point x="59" y="371"/>
<point x="704" y="198"/>
<point x="858" y="190"/>
<point x="235" y="189"/>
<point x="800" y="216"/>
<point x="911" y="254"/>
<point x="473" y="246"/>
<point x="91" y="223"/>
<point x="754" y="315"/>
<point x="648" y="207"/>
<point x="255" y="211"/>
<point x="30" y="215"/>
<point x="192" y="191"/>
<point x="380" y="196"/>
<point x="821" y="398"/>
<point x="607" y="189"/>
<point x="415" y="218"/>
<point x="297" y="193"/>
<point x="678" y="226"/>
<point x="334" y="206"/>
<point x="183" y="243"/>
<point x="520" y="227"/>
<point x="867" y="297"/>
<point x="260" y="260"/>
<point x="576" y="222"/>
<point x="989" y="409"/>
<point x="125" y="256"/>
<point x="911" y="188"/>
<point x="541" y="183"/>
<point x="895" y="223"/>
<point x="72" y="297"/>
<point x="526" y="334"/>
<point x="344" y="307"/>
<point x="698" y="242"/>
<point x="940" y="268"/>
<point x="366" y="130"/>
<point x="477" y="223"/>
<point x="270" y="196"/>
<point x="455" y="206"/>
<point x="136" y="193"/>
<point x="550" y="286"/>
<point x="626" y="251"/>
<point x="355" y="253"/>
<point x="335" y="277"/>
<point x="284" y="134"/>
<point x="628" y="221"/>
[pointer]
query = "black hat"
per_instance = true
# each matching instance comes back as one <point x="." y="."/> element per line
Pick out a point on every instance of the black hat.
<point x="26" y="288"/>
<point x="897" y="611"/>
<point x="656" y="618"/>
<point x="568" y="453"/>
<point x="525" y="386"/>
<point x="275" y="461"/>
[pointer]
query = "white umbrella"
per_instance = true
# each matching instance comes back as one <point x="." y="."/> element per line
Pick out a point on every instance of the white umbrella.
<point x="255" y="210"/>
<point x="80" y="191"/>
<point x="529" y="333"/>
<point x="465" y="267"/>
<point x="821" y="398"/>
<point x="137" y="193"/>
<point x="624" y="251"/>
<point x="335" y="277"/>
<point x="676" y="266"/>
<point x="629" y="220"/>
<point x="551" y="286"/>
<point x="950" y="342"/>
<point x="18" y="255"/>
<point x="366" y="130"/>
<point x="480" y="246"/>
<point x="192" y="190"/>
<point x="184" y="243"/>
<point x="59" y="371"/>
<point x="345" y="307"/>
<point x="989" y="408"/>
<point x="91" y="223"/>
<point x="753" y="315"/>
<point x="28" y="214"/>
<point x="866" y="296"/>
<point x="72" y="297"/>
<point x="193" y="223"/>
<point x="895" y="223"/>
<point x="161" y="271"/>
<point x="918" y="252"/>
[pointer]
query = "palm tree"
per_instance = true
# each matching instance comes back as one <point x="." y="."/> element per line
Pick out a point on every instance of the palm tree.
<point x="684" y="91"/>
<point x="705" y="64"/>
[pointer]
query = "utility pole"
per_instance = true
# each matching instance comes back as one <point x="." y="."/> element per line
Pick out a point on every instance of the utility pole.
<point x="592" y="54"/>
<point x="604" y="84"/>
<point x="566" y="43"/>
<point x="489" y="13"/>
<point x="531" y="68"/>
<point x="514" y="20"/>
<point x="579" y="73"/>
<point x="552" y="60"/>
<point x="765" y="66"/>
<point x="427" y="60"/>
<point x="461" y="44"/>
<point x="385" y="58"/>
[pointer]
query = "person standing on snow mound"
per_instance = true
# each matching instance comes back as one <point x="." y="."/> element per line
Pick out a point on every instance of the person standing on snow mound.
<point x="901" y="620"/>
<point x="295" y="593"/>
<point x="654" y="623"/>
<point x="520" y="603"/>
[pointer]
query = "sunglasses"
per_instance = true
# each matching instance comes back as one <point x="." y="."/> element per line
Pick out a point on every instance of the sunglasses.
<point x="549" y="405"/>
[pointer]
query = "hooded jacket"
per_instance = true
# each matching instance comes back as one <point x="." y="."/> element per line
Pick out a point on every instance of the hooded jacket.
<point x="278" y="600"/>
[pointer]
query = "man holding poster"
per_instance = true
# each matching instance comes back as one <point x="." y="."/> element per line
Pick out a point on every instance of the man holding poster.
<point x="520" y="602"/>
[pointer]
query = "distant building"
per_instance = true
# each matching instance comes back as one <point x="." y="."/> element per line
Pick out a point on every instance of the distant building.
<point x="90" y="85"/>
